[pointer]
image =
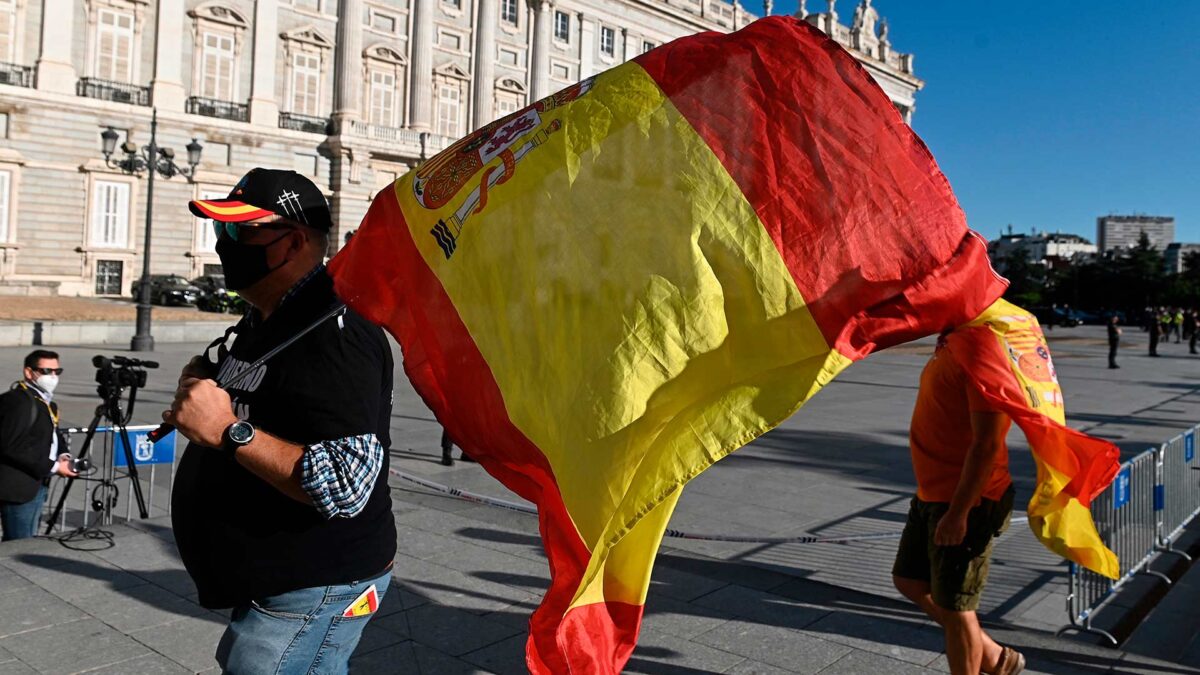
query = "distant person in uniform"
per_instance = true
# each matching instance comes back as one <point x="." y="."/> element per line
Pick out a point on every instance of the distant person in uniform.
<point x="1155" y="332"/>
<point x="1177" y="325"/>
<point x="1114" y="340"/>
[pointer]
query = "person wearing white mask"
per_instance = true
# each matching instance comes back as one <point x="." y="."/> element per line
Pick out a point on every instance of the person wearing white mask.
<point x="29" y="445"/>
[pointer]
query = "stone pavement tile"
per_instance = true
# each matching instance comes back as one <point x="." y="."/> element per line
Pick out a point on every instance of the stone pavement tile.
<point x="469" y="558"/>
<point x="680" y="585"/>
<point x="780" y="647"/>
<point x="149" y="664"/>
<point x="192" y="643"/>
<point x="10" y="581"/>
<point x="1163" y="634"/>
<point x="681" y="619"/>
<point x="32" y="609"/>
<point x="377" y="637"/>
<point x="722" y="570"/>
<point x="395" y="624"/>
<point x="140" y="607"/>
<point x="751" y="667"/>
<point x="408" y="657"/>
<point x="74" y="578"/>
<point x="71" y="647"/>
<point x="858" y="663"/>
<point x="663" y="653"/>
<point x="454" y="631"/>
<point x="896" y="639"/>
<point x="16" y="668"/>
<point x="506" y="657"/>
<point x="466" y="592"/>
<point x="1131" y="664"/>
<point x="761" y="607"/>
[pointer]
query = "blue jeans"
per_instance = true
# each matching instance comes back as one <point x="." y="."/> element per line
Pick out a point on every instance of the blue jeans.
<point x="297" y="632"/>
<point x="20" y="521"/>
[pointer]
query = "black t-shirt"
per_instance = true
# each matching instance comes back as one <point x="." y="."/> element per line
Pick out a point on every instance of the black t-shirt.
<point x="1113" y="335"/>
<point x="239" y="537"/>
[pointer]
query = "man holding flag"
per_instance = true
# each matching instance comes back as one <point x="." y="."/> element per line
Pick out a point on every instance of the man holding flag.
<point x="964" y="500"/>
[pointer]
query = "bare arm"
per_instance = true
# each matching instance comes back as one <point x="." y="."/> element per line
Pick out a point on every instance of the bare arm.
<point x="987" y="429"/>
<point x="275" y="461"/>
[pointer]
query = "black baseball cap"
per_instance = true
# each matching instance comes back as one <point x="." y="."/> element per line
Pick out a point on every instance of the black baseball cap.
<point x="265" y="192"/>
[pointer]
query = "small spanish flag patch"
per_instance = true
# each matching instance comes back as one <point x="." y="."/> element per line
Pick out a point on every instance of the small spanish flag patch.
<point x="365" y="604"/>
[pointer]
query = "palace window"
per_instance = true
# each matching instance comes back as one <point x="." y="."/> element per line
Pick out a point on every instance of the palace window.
<point x="306" y="84"/>
<point x="216" y="66"/>
<point x="110" y="214"/>
<point x="508" y="11"/>
<point x="562" y="26"/>
<point x="382" y="99"/>
<point x="608" y="41"/>
<point x="449" y="108"/>
<point x="8" y="31"/>
<point x="114" y="46"/>
<point x="108" y="277"/>
<point x="5" y="200"/>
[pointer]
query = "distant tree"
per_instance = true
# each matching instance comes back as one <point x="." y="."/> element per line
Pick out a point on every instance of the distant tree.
<point x="1026" y="279"/>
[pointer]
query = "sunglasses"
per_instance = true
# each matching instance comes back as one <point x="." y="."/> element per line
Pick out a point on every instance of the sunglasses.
<point x="48" y="371"/>
<point x="235" y="231"/>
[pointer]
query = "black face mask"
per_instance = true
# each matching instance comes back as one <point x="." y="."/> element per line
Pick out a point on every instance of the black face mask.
<point x="245" y="264"/>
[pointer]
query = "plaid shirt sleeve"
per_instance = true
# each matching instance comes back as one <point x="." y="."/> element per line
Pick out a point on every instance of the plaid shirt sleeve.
<point x="338" y="475"/>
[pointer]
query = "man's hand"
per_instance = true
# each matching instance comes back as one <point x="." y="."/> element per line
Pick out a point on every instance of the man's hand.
<point x="201" y="411"/>
<point x="63" y="468"/>
<point x="198" y="368"/>
<point x="951" y="529"/>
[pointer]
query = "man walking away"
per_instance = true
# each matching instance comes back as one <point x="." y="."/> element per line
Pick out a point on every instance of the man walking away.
<point x="964" y="500"/>
<point x="1114" y="340"/>
<point x="29" y="445"/>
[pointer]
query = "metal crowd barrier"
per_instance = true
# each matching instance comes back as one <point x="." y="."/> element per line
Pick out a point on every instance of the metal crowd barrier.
<point x="109" y="480"/>
<point x="1139" y="516"/>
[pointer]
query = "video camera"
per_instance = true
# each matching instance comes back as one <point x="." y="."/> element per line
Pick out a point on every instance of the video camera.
<point x="119" y="372"/>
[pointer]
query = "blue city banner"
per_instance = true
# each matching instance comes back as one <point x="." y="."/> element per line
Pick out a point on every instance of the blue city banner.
<point x="1189" y="445"/>
<point x="144" y="451"/>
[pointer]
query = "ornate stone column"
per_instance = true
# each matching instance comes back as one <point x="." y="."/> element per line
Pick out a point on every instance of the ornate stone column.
<point x="421" y="90"/>
<point x="264" y="108"/>
<point x="55" y="72"/>
<point x="348" y="63"/>
<point x="540" y="80"/>
<point x="630" y="47"/>
<point x="483" y="97"/>
<point x="166" y="89"/>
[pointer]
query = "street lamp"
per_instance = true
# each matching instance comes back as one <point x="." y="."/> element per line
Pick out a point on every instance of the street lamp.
<point x="155" y="161"/>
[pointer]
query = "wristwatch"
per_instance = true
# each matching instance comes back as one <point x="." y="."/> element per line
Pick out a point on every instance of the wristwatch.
<point x="236" y="435"/>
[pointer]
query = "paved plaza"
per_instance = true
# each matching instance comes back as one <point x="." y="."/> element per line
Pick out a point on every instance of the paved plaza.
<point x="467" y="575"/>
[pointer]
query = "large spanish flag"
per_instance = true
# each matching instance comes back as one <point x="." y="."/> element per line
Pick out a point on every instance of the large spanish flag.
<point x="605" y="293"/>
<point x="1004" y="355"/>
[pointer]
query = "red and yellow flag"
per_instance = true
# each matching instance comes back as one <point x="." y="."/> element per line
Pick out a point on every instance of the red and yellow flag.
<point x="605" y="293"/>
<point x="1005" y="356"/>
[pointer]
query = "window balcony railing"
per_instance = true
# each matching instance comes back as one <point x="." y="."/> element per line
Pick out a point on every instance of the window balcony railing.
<point x="17" y="76"/>
<point x="307" y="123"/>
<point x="211" y="107"/>
<point x="118" y="92"/>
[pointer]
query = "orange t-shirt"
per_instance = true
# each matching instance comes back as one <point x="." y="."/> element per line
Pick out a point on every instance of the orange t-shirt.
<point x="940" y="434"/>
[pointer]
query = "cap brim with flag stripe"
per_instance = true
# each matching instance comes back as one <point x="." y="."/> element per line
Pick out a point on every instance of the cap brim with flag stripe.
<point x="227" y="210"/>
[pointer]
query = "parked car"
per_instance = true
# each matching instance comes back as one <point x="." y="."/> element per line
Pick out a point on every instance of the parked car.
<point x="168" y="289"/>
<point x="1057" y="316"/>
<point x="214" y="297"/>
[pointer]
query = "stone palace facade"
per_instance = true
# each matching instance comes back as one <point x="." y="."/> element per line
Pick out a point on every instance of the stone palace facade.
<point x="350" y="92"/>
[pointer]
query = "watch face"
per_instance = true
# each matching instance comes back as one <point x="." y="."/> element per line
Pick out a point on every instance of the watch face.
<point x="241" y="432"/>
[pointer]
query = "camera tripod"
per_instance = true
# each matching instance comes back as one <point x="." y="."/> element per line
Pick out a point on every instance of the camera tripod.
<point x="109" y="411"/>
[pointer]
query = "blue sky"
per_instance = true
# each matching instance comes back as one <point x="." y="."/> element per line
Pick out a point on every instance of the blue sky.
<point x="1048" y="114"/>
